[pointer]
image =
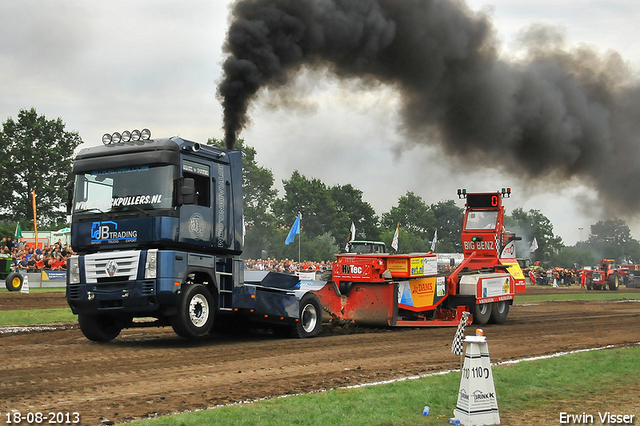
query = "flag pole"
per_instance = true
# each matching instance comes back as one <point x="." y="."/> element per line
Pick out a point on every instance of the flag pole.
<point x="35" y="225"/>
<point x="299" y="240"/>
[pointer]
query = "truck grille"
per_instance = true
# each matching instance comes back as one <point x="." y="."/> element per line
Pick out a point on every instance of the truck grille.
<point x="74" y="291"/>
<point x="112" y="266"/>
<point x="148" y="288"/>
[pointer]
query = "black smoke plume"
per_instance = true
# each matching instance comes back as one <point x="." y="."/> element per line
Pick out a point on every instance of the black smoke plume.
<point x="558" y="113"/>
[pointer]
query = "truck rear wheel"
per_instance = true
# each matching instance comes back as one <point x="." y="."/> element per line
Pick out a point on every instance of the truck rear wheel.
<point x="196" y="312"/>
<point x="310" y="321"/>
<point x="14" y="281"/>
<point x="99" y="328"/>
<point x="481" y="313"/>
<point x="499" y="312"/>
<point x="614" y="282"/>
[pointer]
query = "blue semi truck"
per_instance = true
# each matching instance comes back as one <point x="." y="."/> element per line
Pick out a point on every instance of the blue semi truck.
<point x="157" y="225"/>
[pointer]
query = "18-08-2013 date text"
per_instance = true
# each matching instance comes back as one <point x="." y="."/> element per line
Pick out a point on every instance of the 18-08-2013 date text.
<point x="15" y="417"/>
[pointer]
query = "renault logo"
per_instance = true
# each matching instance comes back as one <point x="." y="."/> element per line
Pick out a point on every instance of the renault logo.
<point x="111" y="268"/>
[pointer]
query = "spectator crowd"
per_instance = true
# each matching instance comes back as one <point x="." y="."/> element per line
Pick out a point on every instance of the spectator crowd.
<point x="26" y="258"/>
<point x="286" y="265"/>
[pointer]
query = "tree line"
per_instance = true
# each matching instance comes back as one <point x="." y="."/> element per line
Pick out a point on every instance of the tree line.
<point x="38" y="153"/>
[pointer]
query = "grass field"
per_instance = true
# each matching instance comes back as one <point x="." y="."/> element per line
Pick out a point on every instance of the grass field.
<point x="36" y="316"/>
<point x="570" y="383"/>
<point x="39" y="289"/>
<point x="591" y="295"/>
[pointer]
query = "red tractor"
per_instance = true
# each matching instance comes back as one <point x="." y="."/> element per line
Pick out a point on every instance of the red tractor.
<point x="605" y="275"/>
<point x="408" y="290"/>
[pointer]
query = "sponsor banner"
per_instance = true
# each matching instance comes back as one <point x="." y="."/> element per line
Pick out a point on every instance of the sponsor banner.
<point x="514" y="269"/>
<point x="495" y="299"/>
<point x="424" y="266"/>
<point x="495" y="286"/>
<point x="445" y="258"/>
<point x="417" y="293"/>
<point x="397" y="265"/>
<point x="306" y="276"/>
<point x="53" y="275"/>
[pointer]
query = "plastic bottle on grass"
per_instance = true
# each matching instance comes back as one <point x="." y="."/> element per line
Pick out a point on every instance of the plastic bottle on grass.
<point x="454" y="421"/>
<point x="425" y="410"/>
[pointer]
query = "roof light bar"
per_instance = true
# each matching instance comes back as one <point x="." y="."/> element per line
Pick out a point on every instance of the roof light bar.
<point x="126" y="136"/>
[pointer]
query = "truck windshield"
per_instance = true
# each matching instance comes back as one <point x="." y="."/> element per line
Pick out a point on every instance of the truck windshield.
<point x="481" y="219"/>
<point x="124" y="189"/>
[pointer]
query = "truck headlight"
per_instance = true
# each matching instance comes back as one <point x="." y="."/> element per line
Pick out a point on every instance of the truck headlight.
<point x="150" y="267"/>
<point x="73" y="269"/>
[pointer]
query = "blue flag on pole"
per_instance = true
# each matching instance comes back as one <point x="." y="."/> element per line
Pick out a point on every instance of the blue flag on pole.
<point x="295" y="229"/>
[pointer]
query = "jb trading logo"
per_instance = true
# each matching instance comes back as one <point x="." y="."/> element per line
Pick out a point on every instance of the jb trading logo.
<point x="108" y="231"/>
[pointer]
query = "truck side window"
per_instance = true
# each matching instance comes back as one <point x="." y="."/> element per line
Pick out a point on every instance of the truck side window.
<point x="202" y="188"/>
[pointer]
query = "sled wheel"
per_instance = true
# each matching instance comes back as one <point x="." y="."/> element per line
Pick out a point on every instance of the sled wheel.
<point x="99" y="328"/>
<point x="14" y="281"/>
<point x="481" y="313"/>
<point x="614" y="282"/>
<point x="195" y="312"/>
<point x="499" y="312"/>
<point x="310" y="320"/>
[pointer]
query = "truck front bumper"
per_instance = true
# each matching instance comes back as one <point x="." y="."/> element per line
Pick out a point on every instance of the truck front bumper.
<point x="138" y="298"/>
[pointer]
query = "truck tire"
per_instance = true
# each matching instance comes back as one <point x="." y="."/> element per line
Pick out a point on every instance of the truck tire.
<point x="499" y="312"/>
<point x="589" y="284"/>
<point x="481" y="313"/>
<point x="14" y="281"/>
<point x="614" y="282"/>
<point x="196" y="312"/>
<point x="310" y="321"/>
<point x="99" y="328"/>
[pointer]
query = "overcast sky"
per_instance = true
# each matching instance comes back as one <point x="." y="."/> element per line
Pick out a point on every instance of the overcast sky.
<point x="118" y="65"/>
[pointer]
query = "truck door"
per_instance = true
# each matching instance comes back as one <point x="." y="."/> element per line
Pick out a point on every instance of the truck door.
<point x="196" y="219"/>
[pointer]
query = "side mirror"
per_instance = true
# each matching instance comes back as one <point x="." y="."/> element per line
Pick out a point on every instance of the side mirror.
<point x="69" y="202"/>
<point x="188" y="191"/>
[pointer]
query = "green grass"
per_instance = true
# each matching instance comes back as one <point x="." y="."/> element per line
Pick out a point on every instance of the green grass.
<point x="33" y="289"/>
<point x="36" y="316"/>
<point x="591" y="295"/>
<point x="534" y="385"/>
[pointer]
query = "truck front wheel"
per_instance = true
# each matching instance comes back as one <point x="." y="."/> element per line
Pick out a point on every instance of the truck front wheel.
<point x="499" y="312"/>
<point x="99" y="328"/>
<point x="195" y="312"/>
<point x="481" y="313"/>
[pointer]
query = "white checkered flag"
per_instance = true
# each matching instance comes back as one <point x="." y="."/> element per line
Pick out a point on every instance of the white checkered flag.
<point x="456" y="346"/>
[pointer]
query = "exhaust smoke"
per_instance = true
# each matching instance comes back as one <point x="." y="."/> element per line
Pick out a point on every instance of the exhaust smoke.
<point x="557" y="114"/>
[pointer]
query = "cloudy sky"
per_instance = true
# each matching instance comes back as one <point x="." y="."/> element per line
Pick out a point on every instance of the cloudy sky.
<point x="117" y="65"/>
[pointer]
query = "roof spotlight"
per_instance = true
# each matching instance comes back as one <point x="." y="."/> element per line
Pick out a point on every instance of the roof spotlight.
<point x="145" y="134"/>
<point x="106" y="139"/>
<point x="116" y="137"/>
<point x="135" y="135"/>
<point x="126" y="136"/>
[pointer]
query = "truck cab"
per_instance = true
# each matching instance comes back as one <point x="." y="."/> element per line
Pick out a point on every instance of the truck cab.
<point x="153" y="219"/>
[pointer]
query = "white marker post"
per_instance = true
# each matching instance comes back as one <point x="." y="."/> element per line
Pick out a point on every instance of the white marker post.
<point x="477" y="402"/>
<point x="25" y="284"/>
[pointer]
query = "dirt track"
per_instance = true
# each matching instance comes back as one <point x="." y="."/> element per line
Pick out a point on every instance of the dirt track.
<point x="151" y="371"/>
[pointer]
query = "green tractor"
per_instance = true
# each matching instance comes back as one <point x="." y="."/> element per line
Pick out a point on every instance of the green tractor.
<point x="12" y="280"/>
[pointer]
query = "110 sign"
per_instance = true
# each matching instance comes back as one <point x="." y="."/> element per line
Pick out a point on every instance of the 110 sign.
<point x="476" y="372"/>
